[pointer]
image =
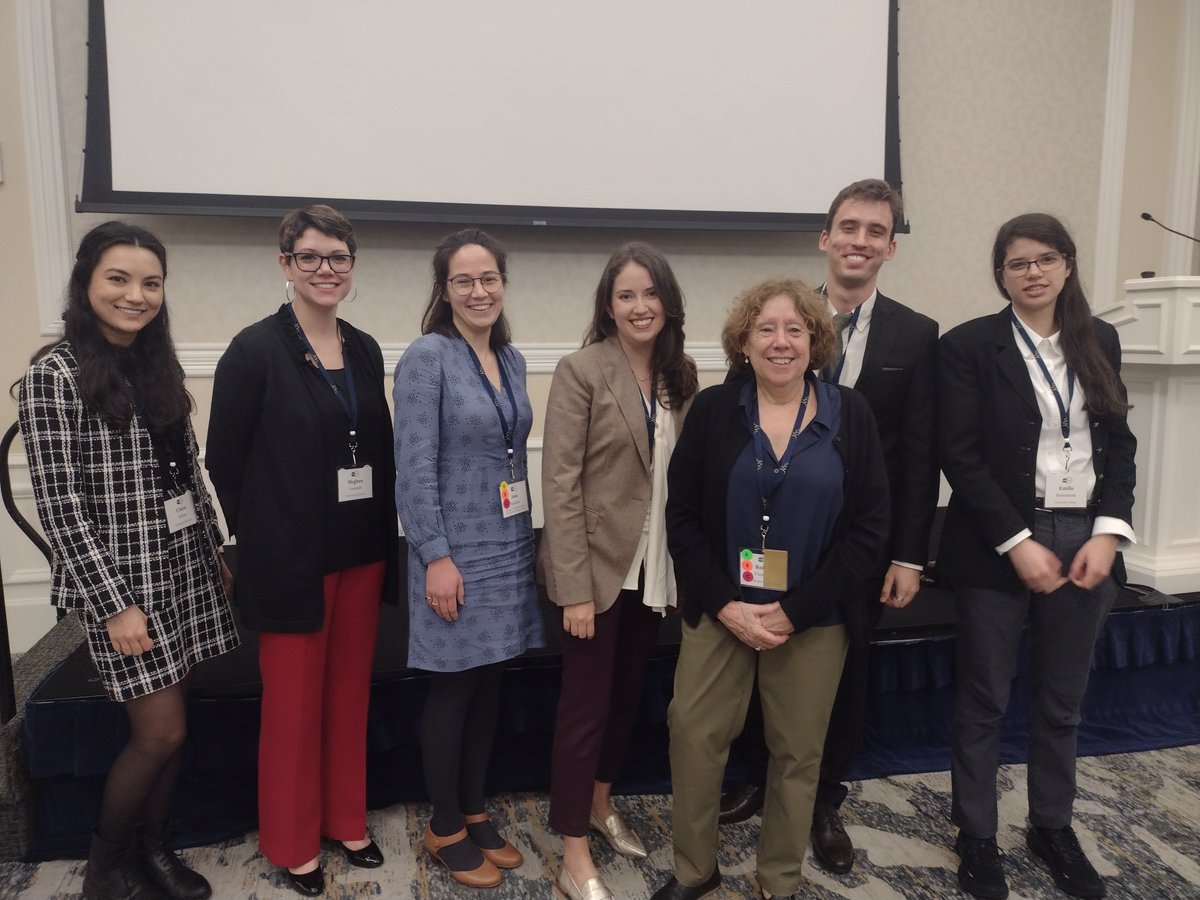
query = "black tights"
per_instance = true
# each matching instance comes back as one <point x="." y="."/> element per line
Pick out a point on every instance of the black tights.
<point x="457" y="729"/>
<point x="142" y="779"/>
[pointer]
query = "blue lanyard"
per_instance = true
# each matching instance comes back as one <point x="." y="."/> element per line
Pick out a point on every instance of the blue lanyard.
<point x="348" y="398"/>
<point x="508" y="433"/>
<point x="767" y="489"/>
<point x="1064" y="409"/>
<point x="651" y="416"/>
<point x="847" y="333"/>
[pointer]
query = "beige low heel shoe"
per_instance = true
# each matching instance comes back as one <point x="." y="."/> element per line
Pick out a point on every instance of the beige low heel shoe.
<point x="593" y="888"/>
<point x="619" y="835"/>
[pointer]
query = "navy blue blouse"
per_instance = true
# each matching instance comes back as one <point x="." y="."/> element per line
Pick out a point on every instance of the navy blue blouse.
<point x="805" y="505"/>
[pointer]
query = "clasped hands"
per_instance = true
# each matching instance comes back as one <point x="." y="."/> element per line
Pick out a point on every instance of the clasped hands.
<point x="760" y="626"/>
<point x="1040" y="569"/>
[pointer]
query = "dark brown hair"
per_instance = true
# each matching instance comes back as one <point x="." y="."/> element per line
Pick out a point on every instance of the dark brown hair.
<point x="439" y="317"/>
<point x="668" y="361"/>
<point x="873" y="189"/>
<point x="1081" y="347"/>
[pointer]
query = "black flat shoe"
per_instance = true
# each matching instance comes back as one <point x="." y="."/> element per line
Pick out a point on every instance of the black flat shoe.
<point x="741" y="803"/>
<point x="310" y="884"/>
<point x="673" y="890"/>
<point x="369" y="857"/>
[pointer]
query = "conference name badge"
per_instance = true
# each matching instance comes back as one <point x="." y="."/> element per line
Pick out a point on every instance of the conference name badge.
<point x="514" y="498"/>
<point x="181" y="512"/>
<point x="355" y="484"/>
<point x="1062" y="492"/>
<point x="766" y="569"/>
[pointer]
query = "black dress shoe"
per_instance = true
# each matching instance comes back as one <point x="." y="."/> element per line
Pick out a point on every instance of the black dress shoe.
<point x="1070" y="868"/>
<point x="673" y="890"/>
<point x="310" y="884"/>
<point x="740" y="804"/>
<point x="369" y="857"/>
<point x="980" y="872"/>
<point x="830" y="843"/>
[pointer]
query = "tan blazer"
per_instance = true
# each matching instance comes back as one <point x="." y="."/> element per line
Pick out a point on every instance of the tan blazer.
<point x="595" y="476"/>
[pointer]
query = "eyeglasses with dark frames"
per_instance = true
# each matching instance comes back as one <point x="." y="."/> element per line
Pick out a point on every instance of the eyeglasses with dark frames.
<point x="311" y="262"/>
<point x="1047" y="262"/>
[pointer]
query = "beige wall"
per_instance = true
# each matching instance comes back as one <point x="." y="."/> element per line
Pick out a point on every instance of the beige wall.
<point x="1002" y="111"/>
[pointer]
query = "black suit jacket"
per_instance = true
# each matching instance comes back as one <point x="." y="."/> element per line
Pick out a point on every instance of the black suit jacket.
<point x="988" y="440"/>
<point x="899" y="380"/>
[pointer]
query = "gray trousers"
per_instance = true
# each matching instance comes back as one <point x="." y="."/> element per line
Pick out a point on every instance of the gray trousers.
<point x="1063" y="628"/>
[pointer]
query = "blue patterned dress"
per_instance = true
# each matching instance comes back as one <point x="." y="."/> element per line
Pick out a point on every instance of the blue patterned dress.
<point x="450" y="460"/>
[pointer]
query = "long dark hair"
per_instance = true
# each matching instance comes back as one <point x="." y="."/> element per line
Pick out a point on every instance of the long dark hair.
<point x="1072" y="314"/>
<point x="668" y="362"/>
<point x="150" y="363"/>
<point x="439" y="317"/>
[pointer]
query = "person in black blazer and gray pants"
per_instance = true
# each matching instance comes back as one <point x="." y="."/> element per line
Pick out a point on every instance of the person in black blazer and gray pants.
<point x="1034" y="440"/>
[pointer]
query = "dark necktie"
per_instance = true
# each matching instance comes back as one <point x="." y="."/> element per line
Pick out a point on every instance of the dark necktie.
<point x="840" y="321"/>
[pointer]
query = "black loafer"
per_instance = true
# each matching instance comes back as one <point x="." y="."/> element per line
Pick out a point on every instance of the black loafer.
<point x="369" y="857"/>
<point x="740" y="804"/>
<point x="310" y="884"/>
<point x="673" y="890"/>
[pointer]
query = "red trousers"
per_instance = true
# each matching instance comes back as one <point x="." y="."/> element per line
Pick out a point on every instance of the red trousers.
<point x="312" y="747"/>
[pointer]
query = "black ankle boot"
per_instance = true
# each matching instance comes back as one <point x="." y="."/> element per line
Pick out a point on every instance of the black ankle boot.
<point x="168" y="870"/>
<point x="114" y="872"/>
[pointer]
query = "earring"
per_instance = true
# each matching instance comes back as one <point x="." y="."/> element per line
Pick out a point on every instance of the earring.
<point x="350" y="299"/>
<point x="746" y="360"/>
<point x="289" y="291"/>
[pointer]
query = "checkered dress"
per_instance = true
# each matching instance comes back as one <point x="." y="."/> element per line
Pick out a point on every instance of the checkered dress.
<point x="100" y="502"/>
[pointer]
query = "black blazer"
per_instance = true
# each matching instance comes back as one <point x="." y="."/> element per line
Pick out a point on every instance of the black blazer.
<point x="899" y="380"/>
<point x="714" y="434"/>
<point x="265" y="454"/>
<point x="988" y="441"/>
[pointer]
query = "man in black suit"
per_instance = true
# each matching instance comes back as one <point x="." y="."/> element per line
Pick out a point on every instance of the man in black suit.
<point x="887" y="353"/>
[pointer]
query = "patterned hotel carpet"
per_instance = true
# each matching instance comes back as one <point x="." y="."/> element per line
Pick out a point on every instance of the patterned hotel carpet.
<point x="1137" y="816"/>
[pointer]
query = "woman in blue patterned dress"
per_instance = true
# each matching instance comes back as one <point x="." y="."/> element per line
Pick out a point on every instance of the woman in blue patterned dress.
<point x="462" y="422"/>
<point x="113" y="461"/>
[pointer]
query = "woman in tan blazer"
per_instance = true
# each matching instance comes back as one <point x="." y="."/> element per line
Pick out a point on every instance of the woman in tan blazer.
<point x="615" y="409"/>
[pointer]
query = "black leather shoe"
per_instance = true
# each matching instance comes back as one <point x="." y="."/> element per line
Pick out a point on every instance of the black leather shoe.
<point x="673" y="890"/>
<point x="980" y="873"/>
<point x="741" y="803"/>
<point x="369" y="857"/>
<point x="830" y="843"/>
<point x="310" y="884"/>
<point x="1059" y="849"/>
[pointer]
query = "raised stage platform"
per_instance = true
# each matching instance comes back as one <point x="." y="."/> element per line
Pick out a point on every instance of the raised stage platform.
<point x="1144" y="694"/>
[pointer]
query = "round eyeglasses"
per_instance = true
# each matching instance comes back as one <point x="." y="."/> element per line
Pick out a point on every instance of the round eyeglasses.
<point x="462" y="285"/>
<point x="311" y="262"/>
<point x="1047" y="262"/>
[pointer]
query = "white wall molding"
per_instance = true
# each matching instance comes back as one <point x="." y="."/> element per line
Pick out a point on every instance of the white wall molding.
<point x="48" y="204"/>
<point x="1183" y="198"/>
<point x="200" y="360"/>
<point x="1105" y="288"/>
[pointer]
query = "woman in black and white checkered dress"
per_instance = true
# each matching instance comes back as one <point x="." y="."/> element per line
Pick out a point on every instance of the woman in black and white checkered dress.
<point x="113" y="461"/>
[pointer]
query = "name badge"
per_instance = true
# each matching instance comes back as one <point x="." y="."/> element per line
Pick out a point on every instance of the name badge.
<point x="1063" y="491"/>
<point x="355" y="484"/>
<point x="514" y="498"/>
<point x="766" y="569"/>
<point x="181" y="512"/>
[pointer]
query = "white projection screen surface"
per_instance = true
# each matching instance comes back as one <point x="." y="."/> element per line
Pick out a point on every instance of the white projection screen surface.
<point x="626" y="112"/>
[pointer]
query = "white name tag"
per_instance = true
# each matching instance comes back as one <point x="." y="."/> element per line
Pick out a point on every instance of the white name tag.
<point x="1063" y="491"/>
<point x="355" y="484"/>
<point x="181" y="512"/>
<point x="767" y="569"/>
<point x="514" y="498"/>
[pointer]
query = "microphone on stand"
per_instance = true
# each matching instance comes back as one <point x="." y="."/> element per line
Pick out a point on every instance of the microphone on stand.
<point x="1150" y="218"/>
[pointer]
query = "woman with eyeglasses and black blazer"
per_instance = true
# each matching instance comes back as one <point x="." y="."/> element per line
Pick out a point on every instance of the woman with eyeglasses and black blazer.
<point x="299" y="450"/>
<point x="1035" y="444"/>
<point x="462" y="424"/>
